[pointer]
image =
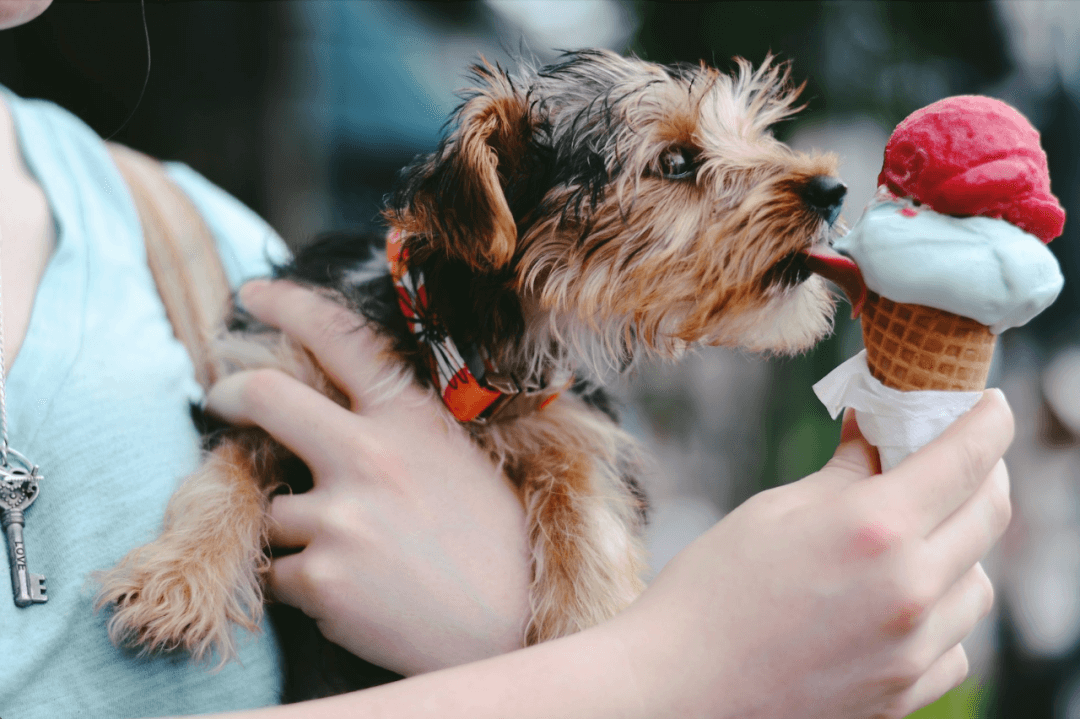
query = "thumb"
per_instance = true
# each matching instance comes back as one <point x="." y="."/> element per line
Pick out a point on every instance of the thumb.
<point x="854" y="454"/>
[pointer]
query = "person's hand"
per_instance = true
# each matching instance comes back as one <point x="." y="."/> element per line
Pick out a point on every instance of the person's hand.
<point x="414" y="545"/>
<point x="842" y="595"/>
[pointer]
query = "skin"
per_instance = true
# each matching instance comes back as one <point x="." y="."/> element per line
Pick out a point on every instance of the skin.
<point x="842" y="595"/>
<point x="27" y="236"/>
<point x="439" y="532"/>
<point x="18" y="12"/>
<point x="870" y="582"/>
<point x="459" y="538"/>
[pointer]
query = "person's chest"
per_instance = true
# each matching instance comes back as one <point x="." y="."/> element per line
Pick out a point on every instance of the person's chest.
<point x="27" y="239"/>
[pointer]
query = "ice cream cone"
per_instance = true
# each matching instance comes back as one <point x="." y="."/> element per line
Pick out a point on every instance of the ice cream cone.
<point x="913" y="347"/>
<point x="964" y="184"/>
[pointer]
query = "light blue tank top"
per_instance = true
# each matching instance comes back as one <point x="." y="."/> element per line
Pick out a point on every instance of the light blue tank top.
<point x="99" y="398"/>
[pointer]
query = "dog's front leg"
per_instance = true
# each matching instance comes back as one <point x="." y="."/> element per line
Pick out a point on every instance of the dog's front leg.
<point x="187" y="588"/>
<point x="584" y="521"/>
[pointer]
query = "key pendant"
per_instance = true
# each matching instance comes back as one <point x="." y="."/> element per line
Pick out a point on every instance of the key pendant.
<point x="18" y="490"/>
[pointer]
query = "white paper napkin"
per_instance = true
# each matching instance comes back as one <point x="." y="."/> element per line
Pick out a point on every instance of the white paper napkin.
<point x="896" y="422"/>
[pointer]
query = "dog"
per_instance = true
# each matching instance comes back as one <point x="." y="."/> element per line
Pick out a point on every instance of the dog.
<point x="575" y="218"/>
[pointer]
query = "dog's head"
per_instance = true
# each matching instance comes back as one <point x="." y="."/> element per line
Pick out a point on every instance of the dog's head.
<point x="627" y="206"/>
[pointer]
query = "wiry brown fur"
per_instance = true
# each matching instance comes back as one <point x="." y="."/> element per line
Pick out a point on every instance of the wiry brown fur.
<point x="557" y="230"/>
<point x="204" y="573"/>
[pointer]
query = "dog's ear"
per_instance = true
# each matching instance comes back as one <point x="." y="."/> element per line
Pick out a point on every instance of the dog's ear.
<point x="456" y="198"/>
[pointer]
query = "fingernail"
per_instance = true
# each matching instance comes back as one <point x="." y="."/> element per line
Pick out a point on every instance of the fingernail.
<point x="987" y="395"/>
<point x="251" y="291"/>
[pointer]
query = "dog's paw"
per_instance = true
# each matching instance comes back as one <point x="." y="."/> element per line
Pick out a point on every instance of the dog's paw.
<point x="165" y="598"/>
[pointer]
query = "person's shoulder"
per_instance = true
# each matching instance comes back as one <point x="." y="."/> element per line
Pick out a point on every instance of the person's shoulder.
<point x="58" y="117"/>
<point x="62" y="150"/>
<point x="249" y="247"/>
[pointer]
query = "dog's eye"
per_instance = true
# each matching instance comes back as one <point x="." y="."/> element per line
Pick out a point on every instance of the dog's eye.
<point x="677" y="163"/>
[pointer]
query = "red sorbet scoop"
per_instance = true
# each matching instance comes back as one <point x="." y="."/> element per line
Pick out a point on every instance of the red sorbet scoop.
<point x="972" y="155"/>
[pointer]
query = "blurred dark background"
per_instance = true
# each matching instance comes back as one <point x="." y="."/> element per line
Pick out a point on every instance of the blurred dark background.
<point x="306" y="109"/>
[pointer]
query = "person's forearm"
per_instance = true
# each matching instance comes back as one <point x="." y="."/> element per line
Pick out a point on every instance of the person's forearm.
<point x="579" y="677"/>
<point x="841" y="596"/>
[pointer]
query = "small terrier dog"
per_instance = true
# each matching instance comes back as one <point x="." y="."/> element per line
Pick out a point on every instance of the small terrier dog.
<point x="575" y="218"/>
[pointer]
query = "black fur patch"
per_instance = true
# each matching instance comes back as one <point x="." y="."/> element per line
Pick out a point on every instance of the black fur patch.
<point x="478" y="305"/>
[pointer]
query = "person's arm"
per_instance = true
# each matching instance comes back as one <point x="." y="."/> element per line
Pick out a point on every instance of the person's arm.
<point x="843" y="595"/>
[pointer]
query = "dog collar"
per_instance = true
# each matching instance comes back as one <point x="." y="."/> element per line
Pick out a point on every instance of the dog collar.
<point x="472" y="389"/>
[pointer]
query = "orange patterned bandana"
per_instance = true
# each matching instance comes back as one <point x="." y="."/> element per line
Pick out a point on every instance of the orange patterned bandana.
<point x="467" y="397"/>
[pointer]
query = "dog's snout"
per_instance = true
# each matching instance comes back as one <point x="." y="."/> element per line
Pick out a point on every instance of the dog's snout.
<point x="825" y="195"/>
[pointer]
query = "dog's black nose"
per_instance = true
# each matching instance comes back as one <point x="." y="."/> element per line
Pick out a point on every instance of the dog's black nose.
<point x="825" y="195"/>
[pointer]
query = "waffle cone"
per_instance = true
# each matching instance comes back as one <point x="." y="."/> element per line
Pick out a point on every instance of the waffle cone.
<point x="912" y="347"/>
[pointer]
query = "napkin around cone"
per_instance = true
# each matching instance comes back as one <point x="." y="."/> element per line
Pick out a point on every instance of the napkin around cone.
<point x="896" y="422"/>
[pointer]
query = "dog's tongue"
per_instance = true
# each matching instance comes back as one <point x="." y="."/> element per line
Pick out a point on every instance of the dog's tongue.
<point x="840" y="270"/>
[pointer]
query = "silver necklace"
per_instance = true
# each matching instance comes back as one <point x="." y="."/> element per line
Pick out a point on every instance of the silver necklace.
<point x="18" y="490"/>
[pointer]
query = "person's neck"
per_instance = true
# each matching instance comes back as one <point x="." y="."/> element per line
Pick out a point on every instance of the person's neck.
<point x="27" y="236"/>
